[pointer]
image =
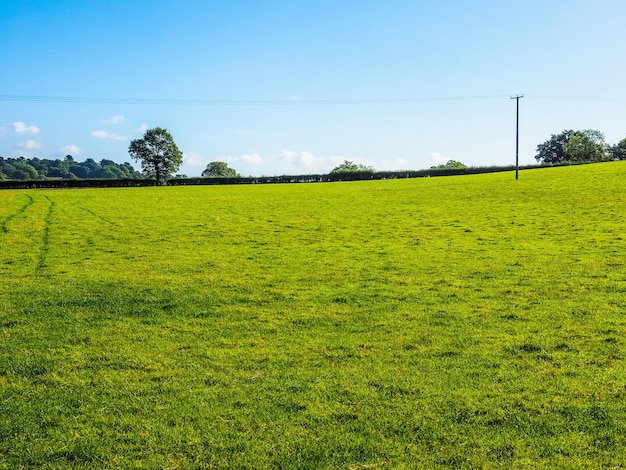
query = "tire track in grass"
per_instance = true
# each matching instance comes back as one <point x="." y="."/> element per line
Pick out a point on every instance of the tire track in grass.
<point x="98" y="216"/>
<point x="4" y="225"/>
<point x="45" y="240"/>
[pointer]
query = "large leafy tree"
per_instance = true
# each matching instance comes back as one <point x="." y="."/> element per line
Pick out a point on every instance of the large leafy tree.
<point x="552" y="151"/>
<point x="586" y="146"/>
<point x="572" y="146"/>
<point x="158" y="154"/>
<point x="219" y="170"/>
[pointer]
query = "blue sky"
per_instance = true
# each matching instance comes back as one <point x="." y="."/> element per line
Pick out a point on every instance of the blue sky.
<point x="290" y="87"/>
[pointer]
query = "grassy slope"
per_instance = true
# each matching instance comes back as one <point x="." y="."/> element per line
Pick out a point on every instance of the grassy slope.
<point x="462" y="321"/>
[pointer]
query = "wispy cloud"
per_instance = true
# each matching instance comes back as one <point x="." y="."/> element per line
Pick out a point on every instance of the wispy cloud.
<point x="70" y="149"/>
<point x="143" y="128"/>
<point x="393" y="164"/>
<point x="252" y="159"/>
<point x="23" y="129"/>
<point x="28" y="145"/>
<point x="108" y="135"/>
<point x="194" y="160"/>
<point x="3" y="131"/>
<point x="400" y="162"/>
<point x="303" y="159"/>
<point x="113" y="119"/>
<point x="287" y="162"/>
<point x="303" y="162"/>
<point x="438" y="158"/>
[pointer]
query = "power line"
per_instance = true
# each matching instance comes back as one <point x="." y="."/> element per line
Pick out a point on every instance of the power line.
<point x="282" y="102"/>
<point x="576" y="98"/>
<point x="204" y="102"/>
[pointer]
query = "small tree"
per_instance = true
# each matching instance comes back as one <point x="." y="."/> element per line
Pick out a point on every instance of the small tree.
<point x="618" y="151"/>
<point x="350" y="167"/>
<point x="158" y="154"/>
<point x="219" y="170"/>
<point x="449" y="165"/>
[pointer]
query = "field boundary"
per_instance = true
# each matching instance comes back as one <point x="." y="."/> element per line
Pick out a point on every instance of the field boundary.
<point x="283" y="179"/>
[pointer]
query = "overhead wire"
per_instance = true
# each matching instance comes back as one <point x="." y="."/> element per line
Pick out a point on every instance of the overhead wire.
<point x="283" y="102"/>
<point x="242" y="102"/>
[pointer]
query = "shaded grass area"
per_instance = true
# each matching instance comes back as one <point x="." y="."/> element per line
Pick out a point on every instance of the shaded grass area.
<point x="461" y="322"/>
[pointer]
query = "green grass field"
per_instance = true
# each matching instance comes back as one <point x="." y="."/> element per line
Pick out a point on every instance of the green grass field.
<point x="458" y="322"/>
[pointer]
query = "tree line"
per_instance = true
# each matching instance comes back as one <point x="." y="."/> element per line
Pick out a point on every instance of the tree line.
<point x="34" y="169"/>
<point x="160" y="158"/>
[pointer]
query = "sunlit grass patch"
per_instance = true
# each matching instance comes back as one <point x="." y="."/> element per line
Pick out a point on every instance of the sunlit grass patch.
<point x="446" y="322"/>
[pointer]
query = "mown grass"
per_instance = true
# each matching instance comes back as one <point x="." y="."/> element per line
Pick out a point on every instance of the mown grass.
<point x="458" y="322"/>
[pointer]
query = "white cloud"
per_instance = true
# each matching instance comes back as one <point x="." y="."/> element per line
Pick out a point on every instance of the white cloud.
<point x="70" y="150"/>
<point x="303" y="158"/>
<point x="287" y="162"/>
<point x="108" y="135"/>
<point x="438" y="158"/>
<point x="252" y="159"/>
<point x="303" y="162"/>
<point x="194" y="163"/>
<point x="336" y="161"/>
<point x="29" y="145"/>
<point x="247" y="158"/>
<point x="400" y="163"/>
<point x="393" y="164"/>
<point x="143" y="128"/>
<point x="113" y="119"/>
<point x="194" y="160"/>
<point x="21" y="128"/>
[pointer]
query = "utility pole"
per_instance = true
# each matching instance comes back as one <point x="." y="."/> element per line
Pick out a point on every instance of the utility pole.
<point x="517" y="97"/>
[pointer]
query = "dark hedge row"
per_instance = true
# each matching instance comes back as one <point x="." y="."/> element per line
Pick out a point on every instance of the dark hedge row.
<point x="381" y="175"/>
<point x="333" y="177"/>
